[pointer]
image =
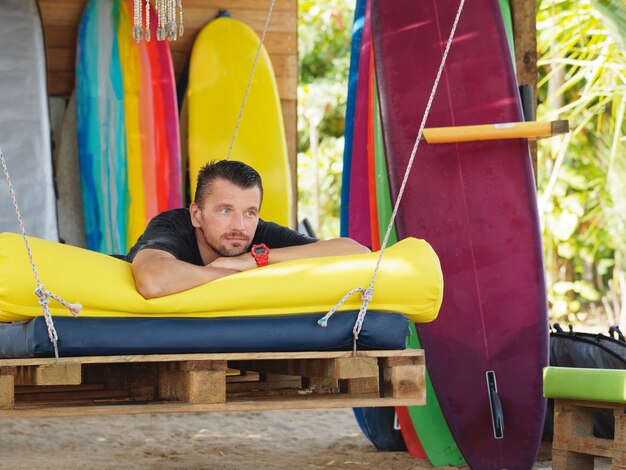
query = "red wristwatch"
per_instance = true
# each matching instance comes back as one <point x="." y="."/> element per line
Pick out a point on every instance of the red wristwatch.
<point x="260" y="253"/>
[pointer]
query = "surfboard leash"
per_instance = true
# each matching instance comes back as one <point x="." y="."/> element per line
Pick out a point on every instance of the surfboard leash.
<point x="254" y="64"/>
<point x="42" y="294"/>
<point x="368" y="293"/>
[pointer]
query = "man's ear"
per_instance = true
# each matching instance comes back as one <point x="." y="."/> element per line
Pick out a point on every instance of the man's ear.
<point x="196" y="215"/>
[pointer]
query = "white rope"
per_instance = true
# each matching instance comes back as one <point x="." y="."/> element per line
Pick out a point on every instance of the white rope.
<point x="368" y="293"/>
<point x="43" y="294"/>
<point x="254" y="64"/>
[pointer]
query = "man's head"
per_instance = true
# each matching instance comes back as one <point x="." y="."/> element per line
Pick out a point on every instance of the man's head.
<point x="226" y="208"/>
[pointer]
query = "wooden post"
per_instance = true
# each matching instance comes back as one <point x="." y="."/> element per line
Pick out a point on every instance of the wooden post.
<point x="193" y="382"/>
<point x="619" y="440"/>
<point x="7" y="387"/>
<point x="404" y="377"/>
<point x="524" y="13"/>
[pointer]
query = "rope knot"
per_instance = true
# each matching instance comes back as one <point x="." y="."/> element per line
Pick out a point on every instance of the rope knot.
<point x="367" y="295"/>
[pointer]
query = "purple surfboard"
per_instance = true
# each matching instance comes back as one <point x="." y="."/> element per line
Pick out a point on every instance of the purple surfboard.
<point x="476" y="204"/>
<point x="359" y="209"/>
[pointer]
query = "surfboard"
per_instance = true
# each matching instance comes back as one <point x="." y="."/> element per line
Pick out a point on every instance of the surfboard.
<point x="170" y="121"/>
<point x="67" y="177"/>
<point x="147" y="131"/>
<point x="130" y="63"/>
<point x="100" y="123"/>
<point x="371" y="157"/>
<point x="353" y="74"/>
<point x="221" y="62"/>
<point x="160" y="139"/>
<point x="24" y="122"/>
<point x="476" y="203"/>
<point x="359" y="224"/>
<point x="423" y="428"/>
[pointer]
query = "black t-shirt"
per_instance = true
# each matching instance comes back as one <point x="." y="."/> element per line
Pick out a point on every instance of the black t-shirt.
<point x="173" y="232"/>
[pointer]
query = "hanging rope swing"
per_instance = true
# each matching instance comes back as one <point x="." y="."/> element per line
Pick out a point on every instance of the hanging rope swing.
<point x="367" y="293"/>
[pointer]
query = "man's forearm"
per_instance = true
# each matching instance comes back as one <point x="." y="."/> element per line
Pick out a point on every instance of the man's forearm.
<point x="332" y="247"/>
<point x="165" y="276"/>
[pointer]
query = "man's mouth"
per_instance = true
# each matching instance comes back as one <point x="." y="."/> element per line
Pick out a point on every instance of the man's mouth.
<point x="235" y="237"/>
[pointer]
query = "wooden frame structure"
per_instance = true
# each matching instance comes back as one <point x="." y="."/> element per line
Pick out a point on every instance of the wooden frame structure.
<point x="574" y="446"/>
<point x="175" y="383"/>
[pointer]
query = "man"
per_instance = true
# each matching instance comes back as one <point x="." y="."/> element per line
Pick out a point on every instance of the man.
<point x="185" y="248"/>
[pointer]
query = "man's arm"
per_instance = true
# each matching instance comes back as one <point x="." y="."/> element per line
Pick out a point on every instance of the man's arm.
<point x="332" y="247"/>
<point x="158" y="273"/>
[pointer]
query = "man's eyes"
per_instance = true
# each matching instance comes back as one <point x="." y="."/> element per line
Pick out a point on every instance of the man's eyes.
<point x="250" y="213"/>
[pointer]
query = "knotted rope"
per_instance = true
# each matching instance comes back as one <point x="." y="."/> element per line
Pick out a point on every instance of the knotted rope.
<point x="254" y="64"/>
<point x="42" y="294"/>
<point x="368" y="293"/>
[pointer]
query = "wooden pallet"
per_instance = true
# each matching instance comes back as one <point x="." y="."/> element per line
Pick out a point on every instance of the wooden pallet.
<point x="170" y="383"/>
<point x="574" y="446"/>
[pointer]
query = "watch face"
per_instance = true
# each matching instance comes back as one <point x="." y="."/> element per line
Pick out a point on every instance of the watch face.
<point x="259" y="250"/>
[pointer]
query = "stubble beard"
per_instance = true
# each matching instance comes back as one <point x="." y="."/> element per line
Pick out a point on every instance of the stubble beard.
<point x="225" y="251"/>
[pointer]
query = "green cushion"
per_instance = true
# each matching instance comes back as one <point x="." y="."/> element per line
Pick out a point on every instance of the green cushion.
<point x="585" y="384"/>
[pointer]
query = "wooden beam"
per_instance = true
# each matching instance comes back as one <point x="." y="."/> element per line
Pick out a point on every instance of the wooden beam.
<point x="7" y="391"/>
<point x="524" y="15"/>
<point x="239" y="356"/>
<point x="404" y="377"/>
<point x="336" y="368"/>
<point x="49" y="374"/>
<point x="287" y="403"/>
<point x="193" y="383"/>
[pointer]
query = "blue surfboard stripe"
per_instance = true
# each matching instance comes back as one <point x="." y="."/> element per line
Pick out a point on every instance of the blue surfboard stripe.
<point x="355" y="50"/>
<point x="86" y="106"/>
<point x="120" y="149"/>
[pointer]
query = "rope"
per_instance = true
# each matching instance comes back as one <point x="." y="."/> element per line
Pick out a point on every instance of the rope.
<point x="368" y="293"/>
<point x="254" y="64"/>
<point x="42" y="294"/>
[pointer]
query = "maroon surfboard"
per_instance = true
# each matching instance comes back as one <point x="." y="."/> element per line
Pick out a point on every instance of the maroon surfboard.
<point x="476" y="204"/>
<point x="359" y="211"/>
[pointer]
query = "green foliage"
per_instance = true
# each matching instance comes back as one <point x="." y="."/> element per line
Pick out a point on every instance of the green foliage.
<point x="324" y="34"/>
<point x="582" y="77"/>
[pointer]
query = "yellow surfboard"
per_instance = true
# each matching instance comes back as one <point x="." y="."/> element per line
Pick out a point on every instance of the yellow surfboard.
<point x="129" y="57"/>
<point x="221" y="62"/>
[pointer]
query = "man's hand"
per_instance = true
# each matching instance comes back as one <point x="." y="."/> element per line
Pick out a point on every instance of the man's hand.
<point x="239" y="263"/>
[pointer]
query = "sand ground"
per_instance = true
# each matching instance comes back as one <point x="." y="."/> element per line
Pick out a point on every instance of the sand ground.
<point x="308" y="439"/>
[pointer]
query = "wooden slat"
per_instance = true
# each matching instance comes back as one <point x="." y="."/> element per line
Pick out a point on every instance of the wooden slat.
<point x="245" y="387"/>
<point x="243" y="356"/>
<point x="404" y="381"/>
<point x="57" y="388"/>
<point x="262" y="5"/>
<point x="288" y="403"/>
<point x="50" y="374"/>
<point x="7" y="395"/>
<point x="64" y="396"/>
<point x="337" y="368"/>
<point x="367" y="385"/>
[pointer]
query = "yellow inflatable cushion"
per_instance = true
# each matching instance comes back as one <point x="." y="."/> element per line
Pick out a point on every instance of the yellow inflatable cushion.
<point x="409" y="281"/>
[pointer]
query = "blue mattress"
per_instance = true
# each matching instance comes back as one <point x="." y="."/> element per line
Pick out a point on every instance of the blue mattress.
<point x="117" y="336"/>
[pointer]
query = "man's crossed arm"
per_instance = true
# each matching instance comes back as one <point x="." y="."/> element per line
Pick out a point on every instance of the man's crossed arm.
<point x="158" y="273"/>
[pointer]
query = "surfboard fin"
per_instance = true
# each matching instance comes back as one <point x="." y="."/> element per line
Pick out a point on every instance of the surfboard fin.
<point x="497" y="416"/>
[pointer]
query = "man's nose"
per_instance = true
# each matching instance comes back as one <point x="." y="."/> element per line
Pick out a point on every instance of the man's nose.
<point x="237" y="222"/>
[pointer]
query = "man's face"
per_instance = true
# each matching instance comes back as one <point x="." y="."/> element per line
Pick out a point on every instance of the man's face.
<point x="228" y="217"/>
